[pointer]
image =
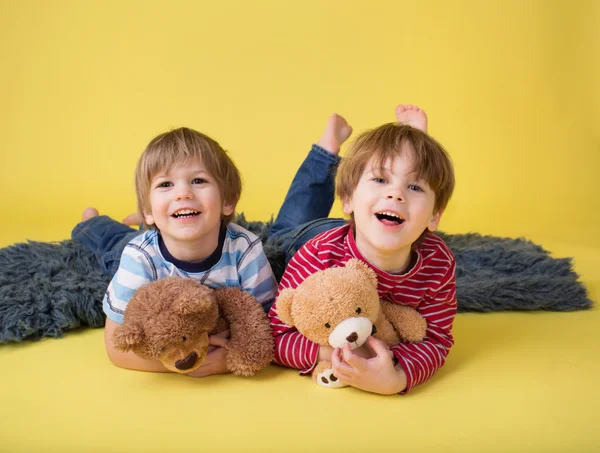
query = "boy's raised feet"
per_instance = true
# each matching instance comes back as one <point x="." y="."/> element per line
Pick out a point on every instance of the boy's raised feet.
<point x="133" y="219"/>
<point x="336" y="132"/>
<point x="412" y="116"/>
<point x="88" y="213"/>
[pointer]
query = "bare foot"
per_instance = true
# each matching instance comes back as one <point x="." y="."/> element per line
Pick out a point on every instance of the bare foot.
<point x="336" y="132"/>
<point x="88" y="213"/>
<point x="133" y="219"/>
<point x="412" y="116"/>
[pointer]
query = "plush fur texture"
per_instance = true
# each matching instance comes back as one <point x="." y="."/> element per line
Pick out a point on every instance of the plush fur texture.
<point x="47" y="289"/>
<point x="171" y="319"/>
<point x="340" y="306"/>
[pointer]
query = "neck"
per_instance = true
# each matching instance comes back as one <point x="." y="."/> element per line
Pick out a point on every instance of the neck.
<point x="400" y="263"/>
<point x="393" y="262"/>
<point x="192" y="251"/>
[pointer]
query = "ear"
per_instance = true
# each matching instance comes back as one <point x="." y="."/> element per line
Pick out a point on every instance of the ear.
<point x="284" y="306"/>
<point x="362" y="267"/>
<point x="127" y="336"/>
<point x="435" y="220"/>
<point x="347" y="206"/>
<point x="228" y="208"/>
<point x="195" y="302"/>
<point x="149" y="219"/>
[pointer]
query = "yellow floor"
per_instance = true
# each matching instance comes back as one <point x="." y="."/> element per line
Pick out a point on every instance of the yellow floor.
<point x="513" y="382"/>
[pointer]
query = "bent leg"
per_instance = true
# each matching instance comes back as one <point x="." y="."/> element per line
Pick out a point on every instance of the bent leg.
<point x="106" y="238"/>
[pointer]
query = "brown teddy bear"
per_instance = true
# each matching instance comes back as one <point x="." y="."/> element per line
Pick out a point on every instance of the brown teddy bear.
<point x="340" y="305"/>
<point x="171" y="319"/>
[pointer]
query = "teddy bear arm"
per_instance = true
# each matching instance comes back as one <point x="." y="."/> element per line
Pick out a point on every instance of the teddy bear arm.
<point x="409" y="324"/>
<point x="385" y="330"/>
<point x="251" y="346"/>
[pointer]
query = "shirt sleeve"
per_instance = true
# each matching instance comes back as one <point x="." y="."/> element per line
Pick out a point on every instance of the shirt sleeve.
<point x="136" y="269"/>
<point x="256" y="275"/>
<point x="421" y="360"/>
<point x="292" y="349"/>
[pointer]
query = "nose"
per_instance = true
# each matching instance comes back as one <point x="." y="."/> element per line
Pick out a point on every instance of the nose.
<point x="352" y="337"/>
<point x="187" y="363"/>
<point x="183" y="193"/>
<point x="395" y="194"/>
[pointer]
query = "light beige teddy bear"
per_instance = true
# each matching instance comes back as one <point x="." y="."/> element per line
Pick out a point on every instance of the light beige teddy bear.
<point x="341" y="305"/>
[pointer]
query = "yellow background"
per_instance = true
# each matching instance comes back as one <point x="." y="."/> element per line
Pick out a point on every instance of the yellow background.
<point x="512" y="91"/>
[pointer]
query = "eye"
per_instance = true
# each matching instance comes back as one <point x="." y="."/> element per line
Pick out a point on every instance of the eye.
<point x="379" y="180"/>
<point x="164" y="184"/>
<point x="358" y="311"/>
<point x="161" y="349"/>
<point x="327" y="325"/>
<point x="415" y="188"/>
<point x="199" y="181"/>
<point x="183" y="338"/>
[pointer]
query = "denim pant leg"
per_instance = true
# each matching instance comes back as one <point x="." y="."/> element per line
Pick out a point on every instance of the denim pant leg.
<point x="311" y="193"/>
<point x="291" y="241"/>
<point x="106" y="238"/>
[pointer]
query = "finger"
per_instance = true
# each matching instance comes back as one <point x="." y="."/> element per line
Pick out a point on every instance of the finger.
<point x="215" y="340"/>
<point x="351" y="359"/>
<point x="355" y="361"/>
<point x="224" y="334"/>
<point x="346" y="379"/>
<point x="378" y="347"/>
<point x="338" y="363"/>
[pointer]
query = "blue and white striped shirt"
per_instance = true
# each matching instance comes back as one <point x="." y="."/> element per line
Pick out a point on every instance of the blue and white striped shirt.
<point x="239" y="262"/>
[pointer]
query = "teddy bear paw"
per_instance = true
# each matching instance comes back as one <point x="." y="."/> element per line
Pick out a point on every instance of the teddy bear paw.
<point x="326" y="378"/>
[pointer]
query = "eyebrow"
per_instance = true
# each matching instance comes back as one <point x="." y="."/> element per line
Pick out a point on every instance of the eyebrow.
<point x="384" y="171"/>
<point x="165" y="175"/>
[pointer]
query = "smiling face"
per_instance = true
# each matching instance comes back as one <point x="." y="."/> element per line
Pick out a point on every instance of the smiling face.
<point x="391" y="209"/>
<point x="187" y="207"/>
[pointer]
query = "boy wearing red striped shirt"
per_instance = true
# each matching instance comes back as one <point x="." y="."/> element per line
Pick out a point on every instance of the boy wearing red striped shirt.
<point x="394" y="184"/>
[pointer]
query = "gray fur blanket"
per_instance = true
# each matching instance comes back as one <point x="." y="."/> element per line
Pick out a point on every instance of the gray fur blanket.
<point x="47" y="289"/>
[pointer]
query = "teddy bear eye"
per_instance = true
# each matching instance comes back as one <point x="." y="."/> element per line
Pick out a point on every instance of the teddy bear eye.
<point x="358" y="311"/>
<point x="161" y="349"/>
<point x="184" y="338"/>
<point x="327" y="325"/>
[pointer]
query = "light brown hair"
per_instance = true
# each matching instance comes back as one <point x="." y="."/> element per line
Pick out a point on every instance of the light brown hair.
<point x="431" y="161"/>
<point x="178" y="147"/>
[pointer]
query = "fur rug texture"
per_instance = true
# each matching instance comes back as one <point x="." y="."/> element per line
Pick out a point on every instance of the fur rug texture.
<point x="47" y="289"/>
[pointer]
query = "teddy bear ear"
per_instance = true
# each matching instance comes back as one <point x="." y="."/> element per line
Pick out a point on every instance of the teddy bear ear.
<point x="127" y="336"/>
<point x="364" y="268"/>
<point x="197" y="301"/>
<point x="284" y="306"/>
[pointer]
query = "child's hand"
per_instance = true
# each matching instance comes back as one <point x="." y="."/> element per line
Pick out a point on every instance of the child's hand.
<point x="225" y="334"/>
<point x="376" y="375"/>
<point x="216" y="359"/>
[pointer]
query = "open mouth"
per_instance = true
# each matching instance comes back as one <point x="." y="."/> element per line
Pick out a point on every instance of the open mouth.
<point x="389" y="218"/>
<point x="185" y="214"/>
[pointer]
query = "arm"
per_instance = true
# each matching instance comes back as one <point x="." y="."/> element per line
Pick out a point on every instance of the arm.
<point x="421" y="360"/>
<point x="135" y="270"/>
<point x="292" y="349"/>
<point x="129" y="359"/>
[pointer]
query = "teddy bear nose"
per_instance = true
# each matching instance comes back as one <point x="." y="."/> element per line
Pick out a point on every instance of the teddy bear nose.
<point x="352" y="337"/>
<point x="187" y="363"/>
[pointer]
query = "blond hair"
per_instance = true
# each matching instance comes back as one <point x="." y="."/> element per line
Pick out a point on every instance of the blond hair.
<point x="431" y="161"/>
<point x="178" y="147"/>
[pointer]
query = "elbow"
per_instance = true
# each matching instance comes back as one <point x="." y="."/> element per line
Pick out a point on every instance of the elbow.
<point x="115" y="357"/>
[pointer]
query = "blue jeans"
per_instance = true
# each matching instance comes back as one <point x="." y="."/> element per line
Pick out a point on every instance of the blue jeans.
<point x="305" y="210"/>
<point x="301" y="217"/>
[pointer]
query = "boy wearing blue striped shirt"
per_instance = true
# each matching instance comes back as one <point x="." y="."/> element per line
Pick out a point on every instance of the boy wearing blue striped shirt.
<point x="187" y="189"/>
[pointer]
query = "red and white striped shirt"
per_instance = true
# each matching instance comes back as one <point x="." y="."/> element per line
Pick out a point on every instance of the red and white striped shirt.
<point x="429" y="287"/>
